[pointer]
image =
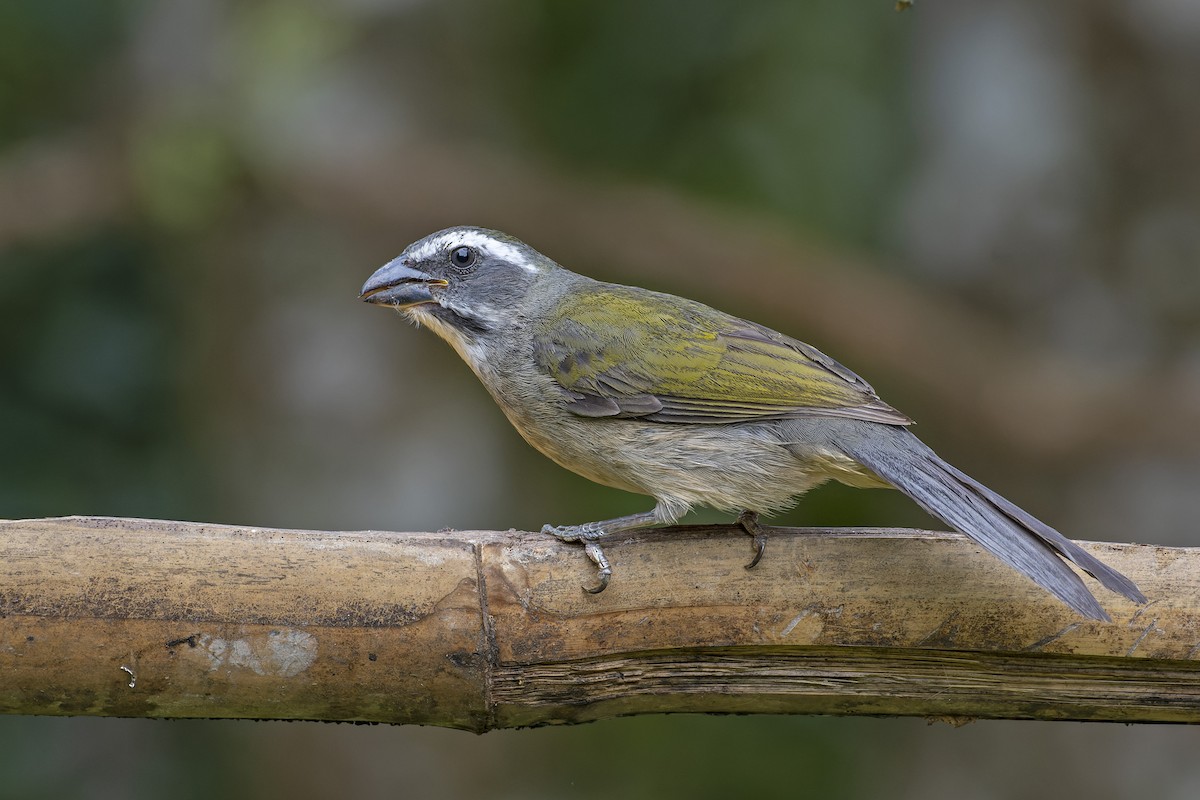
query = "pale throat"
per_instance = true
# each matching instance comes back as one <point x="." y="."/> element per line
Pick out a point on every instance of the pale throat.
<point x="467" y="350"/>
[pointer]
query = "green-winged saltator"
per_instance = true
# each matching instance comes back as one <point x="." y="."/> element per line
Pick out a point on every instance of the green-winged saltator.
<point x="664" y="396"/>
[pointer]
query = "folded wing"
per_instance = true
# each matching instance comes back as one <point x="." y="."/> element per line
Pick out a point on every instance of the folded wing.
<point x="672" y="360"/>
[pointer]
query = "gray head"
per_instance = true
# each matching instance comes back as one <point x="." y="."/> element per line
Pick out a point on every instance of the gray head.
<point x="461" y="282"/>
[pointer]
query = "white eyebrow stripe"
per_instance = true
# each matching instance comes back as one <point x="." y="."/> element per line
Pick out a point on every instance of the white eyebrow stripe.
<point x="478" y="240"/>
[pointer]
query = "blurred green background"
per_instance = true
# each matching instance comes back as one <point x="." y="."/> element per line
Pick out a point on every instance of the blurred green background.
<point x="988" y="209"/>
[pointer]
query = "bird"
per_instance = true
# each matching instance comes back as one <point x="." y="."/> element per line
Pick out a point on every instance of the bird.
<point x="664" y="396"/>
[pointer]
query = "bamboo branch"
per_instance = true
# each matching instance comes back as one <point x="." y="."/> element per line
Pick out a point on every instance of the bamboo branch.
<point x="483" y="630"/>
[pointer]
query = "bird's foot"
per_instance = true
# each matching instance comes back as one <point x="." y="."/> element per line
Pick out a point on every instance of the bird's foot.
<point x="587" y="533"/>
<point x="748" y="520"/>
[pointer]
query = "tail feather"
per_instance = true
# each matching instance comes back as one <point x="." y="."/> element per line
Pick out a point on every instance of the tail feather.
<point x="1014" y="536"/>
<point x="1109" y="578"/>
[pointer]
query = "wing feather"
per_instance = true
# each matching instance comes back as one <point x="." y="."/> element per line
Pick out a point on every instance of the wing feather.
<point x="684" y="362"/>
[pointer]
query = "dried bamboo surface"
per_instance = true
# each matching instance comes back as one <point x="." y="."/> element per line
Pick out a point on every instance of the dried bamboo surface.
<point x="482" y="630"/>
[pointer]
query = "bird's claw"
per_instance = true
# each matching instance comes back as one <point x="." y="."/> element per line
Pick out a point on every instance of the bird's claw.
<point x="748" y="520"/>
<point x="760" y="547"/>
<point x="587" y="534"/>
<point x="594" y="552"/>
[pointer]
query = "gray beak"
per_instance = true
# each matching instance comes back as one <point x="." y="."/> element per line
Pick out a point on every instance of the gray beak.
<point x="397" y="284"/>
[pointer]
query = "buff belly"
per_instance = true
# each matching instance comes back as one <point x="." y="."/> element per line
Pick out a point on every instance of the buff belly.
<point x="747" y="466"/>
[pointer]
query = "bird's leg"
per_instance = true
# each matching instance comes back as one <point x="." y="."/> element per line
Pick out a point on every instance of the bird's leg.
<point x="589" y="532"/>
<point x="748" y="520"/>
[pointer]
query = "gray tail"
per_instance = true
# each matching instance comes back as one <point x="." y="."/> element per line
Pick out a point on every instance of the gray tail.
<point x="1014" y="536"/>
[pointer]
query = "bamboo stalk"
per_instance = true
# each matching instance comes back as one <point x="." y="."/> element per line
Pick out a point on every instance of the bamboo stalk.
<point x="482" y="630"/>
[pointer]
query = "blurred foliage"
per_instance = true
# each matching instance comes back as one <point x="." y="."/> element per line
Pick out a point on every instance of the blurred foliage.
<point x="45" y="47"/>
<point x="182" y="170"/>
<point x="89" y="405"/>
<point x="793" y="109"/>
<point x="656" y="757"/>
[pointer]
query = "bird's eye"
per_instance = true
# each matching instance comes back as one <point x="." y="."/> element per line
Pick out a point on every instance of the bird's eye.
<point x="462" y="257"/>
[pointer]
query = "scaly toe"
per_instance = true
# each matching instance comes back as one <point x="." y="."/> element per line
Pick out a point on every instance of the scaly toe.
<point x="575" y="533"/>
<point x="748" y="521"/>
<point x="565" y="533"/>
<point x="596" y="555"/>
<point x="760" y="547"/>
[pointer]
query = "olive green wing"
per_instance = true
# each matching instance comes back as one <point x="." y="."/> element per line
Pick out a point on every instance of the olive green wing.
<point x="673" y="360"/>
